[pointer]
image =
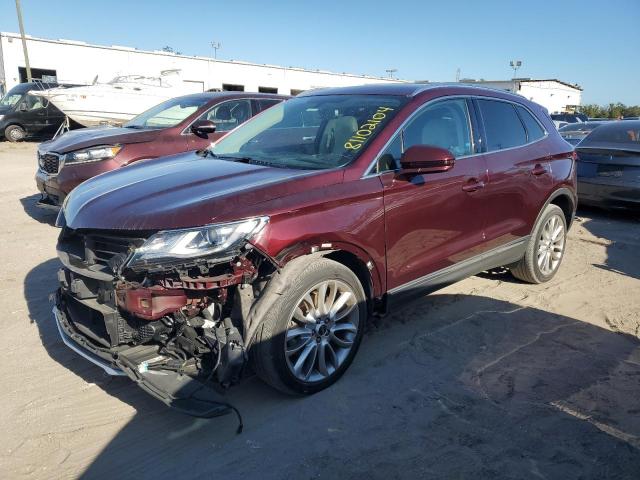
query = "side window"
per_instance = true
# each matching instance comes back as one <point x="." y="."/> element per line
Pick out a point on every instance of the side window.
<point x="33" y="102"/>
<point x="534" y="130"/>
<point x="264" y="104"/>
<point x="228" y="115"/>
<point x="443" y="124"/>
<point x="390" y="158"/>
<point x="502" y="125"/>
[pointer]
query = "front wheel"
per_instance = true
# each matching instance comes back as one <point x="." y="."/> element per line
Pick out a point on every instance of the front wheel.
<point x="14" y="133"/>
<point x="546" y="247"/>
<point x="312" y="330"/>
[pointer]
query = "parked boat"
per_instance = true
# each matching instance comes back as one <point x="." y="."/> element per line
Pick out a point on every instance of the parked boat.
<point x="117" y="101"/>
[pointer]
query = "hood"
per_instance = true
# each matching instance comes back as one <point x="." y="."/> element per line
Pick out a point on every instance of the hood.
<point x="4" y="109"/>
<point x="182" y="191"/>
<point x="89" y="137"/>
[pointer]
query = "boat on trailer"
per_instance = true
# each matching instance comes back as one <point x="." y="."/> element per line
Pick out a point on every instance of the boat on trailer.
<point x="117" y="101"/>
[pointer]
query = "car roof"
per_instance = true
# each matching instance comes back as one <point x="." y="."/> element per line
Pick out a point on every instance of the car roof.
<point x="414" y="89"/>
<point x="208" y="96"/>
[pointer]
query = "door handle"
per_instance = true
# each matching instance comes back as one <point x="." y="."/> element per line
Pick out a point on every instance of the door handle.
<point x="538" y="170"/>
<point x="472" y="185"/>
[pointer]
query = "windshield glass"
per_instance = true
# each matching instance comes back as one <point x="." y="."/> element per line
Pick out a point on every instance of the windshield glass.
<point x="167" y="114"/>
<point x="322" y="131"/>
<point x="10" y="99"/>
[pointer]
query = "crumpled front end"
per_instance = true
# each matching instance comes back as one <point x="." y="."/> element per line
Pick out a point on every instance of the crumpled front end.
<point x="178" y="330"/>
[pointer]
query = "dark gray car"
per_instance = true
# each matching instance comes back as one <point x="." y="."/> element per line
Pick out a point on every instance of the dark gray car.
<point x="609" y="166"/>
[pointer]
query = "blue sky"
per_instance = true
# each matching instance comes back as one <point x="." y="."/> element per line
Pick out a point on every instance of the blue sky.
<point x="592" y="43"/>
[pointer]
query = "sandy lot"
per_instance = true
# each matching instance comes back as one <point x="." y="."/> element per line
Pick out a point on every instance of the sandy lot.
<point x="489" y="378"/>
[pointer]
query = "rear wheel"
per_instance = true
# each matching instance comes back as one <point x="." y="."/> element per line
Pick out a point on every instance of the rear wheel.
<point x="545" y="250"/>
<point x="14" y="133"/>
<point x="312" y="330"/>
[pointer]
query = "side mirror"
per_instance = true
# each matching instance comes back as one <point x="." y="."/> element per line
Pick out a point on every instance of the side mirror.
<point x="421" y="159"/>
<point x="202" y="128"/>
<point x="23" y="107"/>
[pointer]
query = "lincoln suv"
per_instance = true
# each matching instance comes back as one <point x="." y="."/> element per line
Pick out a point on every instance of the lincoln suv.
<point x="268" y="252"/>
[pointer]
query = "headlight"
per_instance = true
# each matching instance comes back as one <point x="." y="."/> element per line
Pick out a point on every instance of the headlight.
<point x="1" y="117"/>
<point x="173" y="245"/>
<point x="92" y="154"/>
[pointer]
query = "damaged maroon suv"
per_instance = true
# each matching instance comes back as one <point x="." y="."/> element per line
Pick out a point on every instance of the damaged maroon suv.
<point x="269" y="251"/>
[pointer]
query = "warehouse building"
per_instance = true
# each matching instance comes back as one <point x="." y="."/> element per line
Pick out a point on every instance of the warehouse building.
<point x="556" y="96"/>
<point x="75" y="62"/>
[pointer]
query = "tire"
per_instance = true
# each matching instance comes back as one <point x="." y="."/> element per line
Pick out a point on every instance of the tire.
<point x="14" y="133"/>
<point x="535" y="267"/>
<point x="336" y="341"/>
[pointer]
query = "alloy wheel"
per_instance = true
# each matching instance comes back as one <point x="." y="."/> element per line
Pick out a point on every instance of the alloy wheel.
<point x="551" y="245"/>
<point x="322" y="331"/>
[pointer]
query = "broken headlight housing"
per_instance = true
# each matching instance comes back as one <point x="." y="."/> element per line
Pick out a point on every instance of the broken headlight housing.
<point x="169" y="246"/>
<point x="93" y="154"/>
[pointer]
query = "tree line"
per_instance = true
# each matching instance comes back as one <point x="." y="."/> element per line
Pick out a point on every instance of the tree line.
<point x="613" y="110"/>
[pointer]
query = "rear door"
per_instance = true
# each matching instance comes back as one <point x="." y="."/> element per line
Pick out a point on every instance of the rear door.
<point x="54" y="118"/>
<point x="518" y="169"/>
<point x="433" y="221"/>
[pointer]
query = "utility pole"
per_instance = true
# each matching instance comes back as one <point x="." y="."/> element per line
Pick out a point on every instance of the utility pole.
<point x="24" y="41"/>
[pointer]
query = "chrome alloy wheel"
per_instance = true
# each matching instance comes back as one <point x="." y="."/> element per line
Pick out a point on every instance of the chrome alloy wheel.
<point x="322" y="331"/>
<point x="551" y="245"/>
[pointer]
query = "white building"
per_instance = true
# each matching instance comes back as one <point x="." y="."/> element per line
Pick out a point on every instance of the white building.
<point x="556" y="96"/>
<point x="79" y="63"/>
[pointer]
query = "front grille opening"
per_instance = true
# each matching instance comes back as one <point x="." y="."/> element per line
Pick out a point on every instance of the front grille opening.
<point x="88" y="321"/>
<point x="102" y="248"/>
<point x="50" y="163"/>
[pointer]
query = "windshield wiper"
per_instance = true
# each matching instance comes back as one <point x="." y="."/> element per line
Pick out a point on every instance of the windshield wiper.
<point x="229" y="157"/>
<point x="137" y="127"/>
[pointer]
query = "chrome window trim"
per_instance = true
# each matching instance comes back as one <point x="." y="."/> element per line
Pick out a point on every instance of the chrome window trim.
<point x="187" y="129"/>
<point x="369" y="172"/>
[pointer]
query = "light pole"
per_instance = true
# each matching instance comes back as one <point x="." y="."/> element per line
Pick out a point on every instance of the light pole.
<point x="515" y="64"/>
<point x="24" y="41"/>
<point x="391" y="71"/>
<point x="216" y="46"/>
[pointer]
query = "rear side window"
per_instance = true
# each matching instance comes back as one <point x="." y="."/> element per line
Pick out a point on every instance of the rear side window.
<point x="534" y="130"/>
<point x="502" y="125"/>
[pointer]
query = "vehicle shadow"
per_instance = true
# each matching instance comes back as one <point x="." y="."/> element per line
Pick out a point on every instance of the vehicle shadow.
<point x="624" y="243"/>
<point x="39" y="214"/>
<point x="451" y="386"/>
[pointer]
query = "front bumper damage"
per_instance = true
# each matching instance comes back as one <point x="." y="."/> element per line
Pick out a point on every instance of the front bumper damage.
<point x="179" y="391"/>
<point x="179" y="331"/>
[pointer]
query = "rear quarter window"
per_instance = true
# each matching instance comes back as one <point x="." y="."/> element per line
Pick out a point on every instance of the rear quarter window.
<point x="534" y="130"/>
<point x="502" y="125"/>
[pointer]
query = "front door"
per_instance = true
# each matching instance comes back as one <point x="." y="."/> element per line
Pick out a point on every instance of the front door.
<point x="33" y="114"/>
<point x="226" y="116"/>
<point x="436" y="220"/>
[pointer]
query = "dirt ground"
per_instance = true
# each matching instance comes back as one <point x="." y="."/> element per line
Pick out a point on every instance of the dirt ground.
<point x="489" y="378"/>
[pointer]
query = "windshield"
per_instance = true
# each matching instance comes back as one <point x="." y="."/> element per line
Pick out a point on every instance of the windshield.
<point x="10" y="99"/>
<point x="167" y="114"/>
<point x="322" y="131"/>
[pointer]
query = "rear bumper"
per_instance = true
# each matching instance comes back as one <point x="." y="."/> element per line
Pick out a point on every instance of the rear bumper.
<point x="609" y="193"/>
